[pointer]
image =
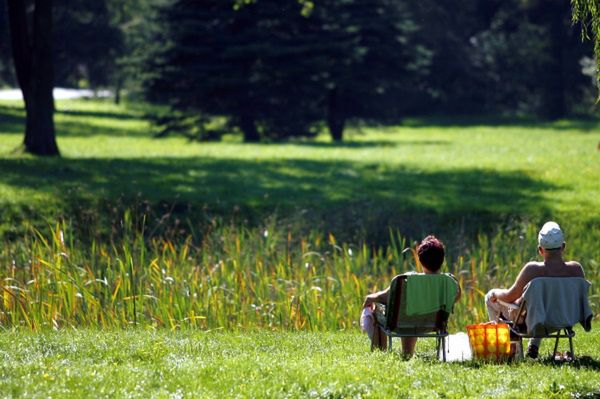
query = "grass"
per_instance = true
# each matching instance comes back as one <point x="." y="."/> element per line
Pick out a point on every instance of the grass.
<point x="182" y="269"/>
<point x="413" y="177"/>
<point x="255" y="364"/>
<point x="235" y="278"/>
<point x="278" y="235"/>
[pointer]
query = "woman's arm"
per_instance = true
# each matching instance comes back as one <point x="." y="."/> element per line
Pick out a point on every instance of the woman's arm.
<point x="459" y="291"/>
<point x="377" y="297"/>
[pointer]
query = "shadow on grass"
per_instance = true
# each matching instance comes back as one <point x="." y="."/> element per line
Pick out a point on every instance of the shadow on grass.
<point x="581" y="362"/>
<point x="125" y="115"/>
<point x="82" y="129"/>
<point x="335" y="195"/>
<point x="12" y="120"/>
<point x="360" y="144"/>
<point x="116" y="124"/>
<point x="584" y="124"/>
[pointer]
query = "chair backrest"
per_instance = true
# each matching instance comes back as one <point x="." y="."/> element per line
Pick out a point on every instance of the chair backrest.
<point x="397" y="317"/>
<point x="553" y="303"/>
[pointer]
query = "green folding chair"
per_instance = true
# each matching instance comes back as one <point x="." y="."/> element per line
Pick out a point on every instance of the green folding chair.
<point x="433" y="324"/>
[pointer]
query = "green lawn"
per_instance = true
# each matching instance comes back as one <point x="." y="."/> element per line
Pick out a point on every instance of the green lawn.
<point x="263" y="364"/>
<point x="204" y="244"/>
<point x="418" y="176"/>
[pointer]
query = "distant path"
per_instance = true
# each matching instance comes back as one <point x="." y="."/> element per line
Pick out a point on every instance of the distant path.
<point x="59" y="94"/>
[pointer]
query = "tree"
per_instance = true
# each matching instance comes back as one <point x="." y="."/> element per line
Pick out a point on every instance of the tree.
<point x="369" y="59"/>
<point x="245" y="64"/>
<point x="31" y="40"/>
<point x="504" y="56"/>
<point x="563" y="53"/>
<point x="279" y="68"/>
<point x="86" y="44"/>
<point x="587" y="12"/>
<point x="6" y="69"/>
<point x="135" y="21"/>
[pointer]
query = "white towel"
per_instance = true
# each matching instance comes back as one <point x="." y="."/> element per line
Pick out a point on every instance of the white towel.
<point x="367" y="321"/>
<point x="555" y="302"/>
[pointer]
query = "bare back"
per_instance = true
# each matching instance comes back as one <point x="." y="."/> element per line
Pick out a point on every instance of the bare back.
<point x="549" y="268"/>
<point x="552" y="269"/>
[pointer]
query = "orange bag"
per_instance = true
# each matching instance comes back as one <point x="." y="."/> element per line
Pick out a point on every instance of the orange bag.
<point x="489" y="341"/>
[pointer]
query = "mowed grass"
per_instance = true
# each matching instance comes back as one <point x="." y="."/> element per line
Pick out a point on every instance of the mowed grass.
<point x="244" y="266"/>
<point x="418" y="177"/>
<point x="483" y="189"/>
<point x="262" y="364"/>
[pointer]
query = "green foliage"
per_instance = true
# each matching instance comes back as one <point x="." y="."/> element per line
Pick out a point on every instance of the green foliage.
<point x="6" y="72"/>
<point x="587" y="13"/>
<point x="86" y="44"/>
<point x="262" y="282"/>
<point x="238" y="277"/>
<point x="414" y="175"/>
<point x="260" y="364"/>
<point x="133" y="206"/>
<point x="504" y="56"/>
<point x="273" y="67"/>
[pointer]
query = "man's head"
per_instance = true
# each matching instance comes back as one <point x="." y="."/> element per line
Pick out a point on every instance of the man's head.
<point x="550" y="237"/>
<point x="431" y="253"/>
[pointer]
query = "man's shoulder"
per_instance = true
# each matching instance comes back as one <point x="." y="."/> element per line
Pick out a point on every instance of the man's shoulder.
<point x="533" y="265"/>
<point x="573" y="263"/>
<point x="533" y="269"/>
<point x="576" y="268"/>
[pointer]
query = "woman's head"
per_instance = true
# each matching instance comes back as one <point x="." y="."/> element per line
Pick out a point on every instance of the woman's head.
<point x="431" y="253"/>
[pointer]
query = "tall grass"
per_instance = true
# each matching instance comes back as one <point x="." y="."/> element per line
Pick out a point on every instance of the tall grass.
<point x="234" y="278"/>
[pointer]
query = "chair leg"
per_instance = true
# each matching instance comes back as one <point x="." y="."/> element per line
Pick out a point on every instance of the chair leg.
<point x="519" y="349"/>
<point x="389" y="343"/>
<point x="443" y="349"/>
<point x="571" y="346"/>
<point x="556" y="344"/>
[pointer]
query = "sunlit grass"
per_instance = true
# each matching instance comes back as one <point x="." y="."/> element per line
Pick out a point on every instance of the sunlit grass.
<point x="259" y="364"/>
<point x="181" y="269"/>
<point x="171" y="233"/>
<point x="561" y="158"/>
<point x="235" y="278"/>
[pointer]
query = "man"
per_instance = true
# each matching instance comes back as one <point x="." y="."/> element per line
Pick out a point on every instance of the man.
<point x="551" y="245"/>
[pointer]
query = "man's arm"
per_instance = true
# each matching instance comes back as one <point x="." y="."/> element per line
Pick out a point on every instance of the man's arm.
<point x="513" y="293"/>
<point x="377" y="297"/>
<point x="577" y="267"/>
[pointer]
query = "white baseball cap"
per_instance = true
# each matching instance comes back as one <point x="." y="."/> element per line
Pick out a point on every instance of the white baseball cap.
<point x="551" y="236"/>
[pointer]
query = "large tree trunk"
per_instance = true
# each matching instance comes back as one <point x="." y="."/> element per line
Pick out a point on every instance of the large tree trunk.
<point x="248" y="127"/>
<point x="555" y="103"/>
<point x="32" y="53"/>
<point x="556" y="16"/>
<point x="336" y="118"/>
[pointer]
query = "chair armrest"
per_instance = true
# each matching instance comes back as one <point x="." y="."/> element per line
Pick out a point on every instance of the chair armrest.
<point x="509" y="305"/>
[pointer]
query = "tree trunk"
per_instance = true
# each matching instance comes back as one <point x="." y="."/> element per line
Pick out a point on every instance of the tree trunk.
<point x="336" y="119"/>
<point x="249" y="129"/>
<point x="118" y="87"/>
<point x="555" y="106"/>
<point x="33" y="59"/>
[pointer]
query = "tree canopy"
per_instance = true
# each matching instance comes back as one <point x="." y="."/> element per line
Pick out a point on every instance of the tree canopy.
<point x="587" y="12"/>
<point x="283" y="68"/>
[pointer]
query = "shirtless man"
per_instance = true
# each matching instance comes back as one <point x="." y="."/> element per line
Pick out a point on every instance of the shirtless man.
<point x="551" y="247"/>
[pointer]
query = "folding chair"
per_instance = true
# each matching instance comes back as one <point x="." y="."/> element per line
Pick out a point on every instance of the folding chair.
<point x="550" y="307"/>
<point x="398" y="322"/>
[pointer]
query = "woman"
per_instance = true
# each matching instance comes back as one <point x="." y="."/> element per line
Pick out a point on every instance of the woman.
<point x="431" y="256"/>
